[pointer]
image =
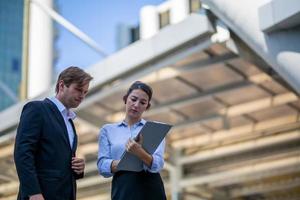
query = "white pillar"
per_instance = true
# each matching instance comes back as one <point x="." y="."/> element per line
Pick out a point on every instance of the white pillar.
<point x="149" y="22"/>
<point x="176" y="176"/>
<point x="40" y="50"/>
<point x="179" y="11"/>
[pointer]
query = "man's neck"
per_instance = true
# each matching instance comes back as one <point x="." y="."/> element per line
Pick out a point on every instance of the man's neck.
<point x="60" y="99"/>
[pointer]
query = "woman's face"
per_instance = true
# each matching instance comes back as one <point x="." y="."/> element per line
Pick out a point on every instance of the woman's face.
<point x="136" y="104"/>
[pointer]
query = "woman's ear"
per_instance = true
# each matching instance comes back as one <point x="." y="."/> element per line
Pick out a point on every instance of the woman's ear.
<point x="148" y="106"/>
<point x="125" y="98"/>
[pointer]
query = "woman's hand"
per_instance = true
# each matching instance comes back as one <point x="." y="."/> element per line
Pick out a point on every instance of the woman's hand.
<point x="135" y="147"/>
<point x="114" y="165"/>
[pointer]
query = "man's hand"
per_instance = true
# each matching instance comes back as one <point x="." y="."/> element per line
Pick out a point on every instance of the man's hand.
<point x="36" y="197"/>
<point x="78" y="165"/>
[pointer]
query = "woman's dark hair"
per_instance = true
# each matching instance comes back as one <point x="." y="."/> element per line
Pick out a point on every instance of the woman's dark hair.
<point x="142" y="86"/>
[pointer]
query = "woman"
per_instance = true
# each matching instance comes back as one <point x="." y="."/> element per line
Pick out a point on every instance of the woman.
<point x="119" y="137"/>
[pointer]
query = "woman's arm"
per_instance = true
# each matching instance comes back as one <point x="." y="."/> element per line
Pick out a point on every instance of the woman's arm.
<point x="158" y="158"/>
<point x="105" y="161"/>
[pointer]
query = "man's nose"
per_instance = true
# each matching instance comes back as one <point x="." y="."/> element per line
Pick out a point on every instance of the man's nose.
<point x="82" y="95"/>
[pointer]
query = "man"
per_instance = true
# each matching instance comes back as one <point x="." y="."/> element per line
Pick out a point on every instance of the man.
<point x="46" y="141"/>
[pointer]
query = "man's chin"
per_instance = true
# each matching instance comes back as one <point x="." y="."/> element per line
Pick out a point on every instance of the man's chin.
<point x="75" y="105"/>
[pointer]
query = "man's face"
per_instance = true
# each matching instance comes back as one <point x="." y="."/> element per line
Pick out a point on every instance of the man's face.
<point x="73" y="95"/>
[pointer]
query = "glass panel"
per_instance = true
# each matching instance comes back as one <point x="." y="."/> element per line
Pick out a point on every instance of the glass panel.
<point x="195" y="6"/>
<point x="164" y="19"/>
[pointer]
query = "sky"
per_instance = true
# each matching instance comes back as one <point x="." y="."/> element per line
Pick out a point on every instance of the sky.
<point x="98" y="19"/>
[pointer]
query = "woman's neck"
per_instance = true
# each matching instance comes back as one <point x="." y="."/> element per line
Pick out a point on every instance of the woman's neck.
<point x="132" y="121"/>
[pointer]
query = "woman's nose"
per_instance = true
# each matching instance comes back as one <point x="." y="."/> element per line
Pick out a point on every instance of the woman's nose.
<point x="136" y="104"/>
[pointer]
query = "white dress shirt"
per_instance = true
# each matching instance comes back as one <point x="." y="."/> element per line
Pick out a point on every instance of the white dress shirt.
<point x="66" y="114"/>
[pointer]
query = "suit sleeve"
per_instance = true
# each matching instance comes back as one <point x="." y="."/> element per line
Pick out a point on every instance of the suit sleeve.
<point x="27" y="139"/>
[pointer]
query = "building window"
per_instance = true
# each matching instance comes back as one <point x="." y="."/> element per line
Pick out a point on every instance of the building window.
<point x="15" y="65"/>
<point x="134" y="34"/>
<point x="164" y="19"/>
<point x="195" y="6"/>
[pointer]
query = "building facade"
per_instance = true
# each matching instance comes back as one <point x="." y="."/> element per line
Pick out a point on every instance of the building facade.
<point x="155" y="18"/>
<point x="26" y="50"/>
<point x="11" y="34"/>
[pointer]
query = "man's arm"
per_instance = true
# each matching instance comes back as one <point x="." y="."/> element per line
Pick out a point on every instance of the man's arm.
<point x="28" y="134"/>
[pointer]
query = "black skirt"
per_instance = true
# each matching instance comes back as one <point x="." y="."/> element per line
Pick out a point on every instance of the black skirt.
<point x="137" y="186"/>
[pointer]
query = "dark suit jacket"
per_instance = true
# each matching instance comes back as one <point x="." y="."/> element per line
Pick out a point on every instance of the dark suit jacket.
<point x="43" y="153"/>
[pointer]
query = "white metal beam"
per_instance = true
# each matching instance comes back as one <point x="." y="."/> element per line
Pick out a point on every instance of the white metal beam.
<point x="70" y="27"/>
<point x="279" y="50"/>
<point x="251" y="172"/>
<point x="241" y="147"/>
<point x="266" y="187"/>
<point x="8" y="92"/>
<point x="236" y="131"/>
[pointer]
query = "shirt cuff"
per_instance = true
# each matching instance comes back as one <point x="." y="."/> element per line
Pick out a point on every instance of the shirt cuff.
<point x="105" y="168"/>
<point x="156" y="166"/>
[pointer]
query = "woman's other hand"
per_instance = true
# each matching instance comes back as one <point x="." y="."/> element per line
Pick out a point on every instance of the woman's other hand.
<point x="114" y="166"/>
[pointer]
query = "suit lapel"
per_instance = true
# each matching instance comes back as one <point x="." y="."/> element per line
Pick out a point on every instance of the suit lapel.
<point x="60" y="120"/>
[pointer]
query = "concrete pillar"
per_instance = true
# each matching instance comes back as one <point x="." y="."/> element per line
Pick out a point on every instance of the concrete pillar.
<point x="179" y="10"/>
<point x="149" y="22"/>
<point x="176" y="176"/>
<point x="40" y="50"/>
